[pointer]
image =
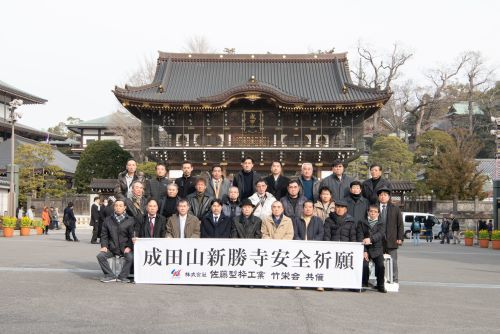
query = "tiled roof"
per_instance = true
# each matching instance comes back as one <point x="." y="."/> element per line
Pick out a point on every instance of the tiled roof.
<point x="105" y="122"/>
<point x="102" y="184"/>
<point x="67" y="164"/>
<point x="15" y="93"/>
<point x="462" y="108"/>
<point x="27" y="131"/>
<point x="402" y="186"/>
<point x="214" y="78"/>
<point x="487" y="167"/>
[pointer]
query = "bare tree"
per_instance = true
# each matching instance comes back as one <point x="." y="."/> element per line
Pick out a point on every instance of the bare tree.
<point x="477" y="75"/>
<point x="199" y="44"/>
<point x="128" y="127"/>
<point x="144" y="74"/>
<point x="378" y="71"/>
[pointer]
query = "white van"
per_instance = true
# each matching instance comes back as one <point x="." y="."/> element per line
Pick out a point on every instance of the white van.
<point x="410" y="217"/>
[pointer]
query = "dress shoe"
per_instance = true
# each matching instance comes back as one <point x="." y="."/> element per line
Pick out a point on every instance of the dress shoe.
<point x="76" y="240"/>
<point x="381" y="289"/>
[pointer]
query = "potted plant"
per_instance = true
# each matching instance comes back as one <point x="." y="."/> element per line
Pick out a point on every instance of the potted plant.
<point x="495" y="239"/>
<point x="468" y="237"/>
<point x="484" y="239"/>
<point x="25" y="225"/>
<point x="38" y="225"/>
<point x="8" y="226"/>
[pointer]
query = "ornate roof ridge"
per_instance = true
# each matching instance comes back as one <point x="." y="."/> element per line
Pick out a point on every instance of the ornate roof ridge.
<point x="163" y="56"/>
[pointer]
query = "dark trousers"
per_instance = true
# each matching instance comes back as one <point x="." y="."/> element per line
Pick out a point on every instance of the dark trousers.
<point x="445" y="236"/>
<point x="55" y="224"/>
<point x="70" y="228"/>
<point x="379" y="270"/>
<point x="103" y="257"/>
<point x="46" y="229"/>
<point x="96" y="232"/>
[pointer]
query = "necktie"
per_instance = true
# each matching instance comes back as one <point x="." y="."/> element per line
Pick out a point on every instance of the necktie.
<point x="384" y="213"/>
<point x="151" y="227"/>
<point x="216" y="188"/>
<point x="215" y="219"/>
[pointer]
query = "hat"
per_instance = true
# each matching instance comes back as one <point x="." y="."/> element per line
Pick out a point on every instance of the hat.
<point x="385" y="190"/>
<point x="246" y="202"/>
<point x="341" y="203"/>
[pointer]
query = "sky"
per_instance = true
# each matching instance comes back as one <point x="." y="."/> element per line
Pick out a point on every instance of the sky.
<point x="73" y="53"/>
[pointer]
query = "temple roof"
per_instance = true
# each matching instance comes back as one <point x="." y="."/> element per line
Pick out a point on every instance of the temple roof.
<point x="15" y="93"/>
<point x="214" y="79"/>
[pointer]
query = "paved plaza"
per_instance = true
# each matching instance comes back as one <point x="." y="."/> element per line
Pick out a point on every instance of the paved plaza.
<point x="50" y="285"/>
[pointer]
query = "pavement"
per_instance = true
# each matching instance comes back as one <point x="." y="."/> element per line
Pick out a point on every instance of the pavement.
<point x="50" y="285"/>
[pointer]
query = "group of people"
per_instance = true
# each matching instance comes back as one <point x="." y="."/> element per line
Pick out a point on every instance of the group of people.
<point x="450" y="229"/>
<point x="49" y="216"/>
<point x="337" y="208"/>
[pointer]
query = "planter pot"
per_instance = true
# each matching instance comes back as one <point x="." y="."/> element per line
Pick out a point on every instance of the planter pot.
<point x="25" y="231"/>
<point x="484" y="243"/>
<point x="468" y="241"/>
<point x="8" y="232"/>
<point x="39" y="230"/>
<point x="495" y="244"/>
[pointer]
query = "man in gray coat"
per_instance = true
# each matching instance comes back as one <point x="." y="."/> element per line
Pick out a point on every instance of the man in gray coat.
<point x="338" y="182"/>
<point x="218" y="186"/>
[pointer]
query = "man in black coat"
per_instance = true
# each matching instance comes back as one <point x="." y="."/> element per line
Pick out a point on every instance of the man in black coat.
<point x="372" y="235"/>
<point x="277" y="183"/>
<point x="372" y="186"/>
<point x="95" y="219"/>
<point x="186" y="181"/>
<point x="357" y="205"/>
<point x="157" y="186"/>
<point x="340" y="226"/>
<point x="391" y="216"/>
<point x="246" y="178"/>
<point x="117" y="239"/>
<point x="151" y="224"/>
<point x="338" y="182"/>
<point x="199" y="201"/>
<point x="246" y="225"/>
<point x="308" y="227"/>
<point x="215" y="224"/>
<point x="123" y="187"/>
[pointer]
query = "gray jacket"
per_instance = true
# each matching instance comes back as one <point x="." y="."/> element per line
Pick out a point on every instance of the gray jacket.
<point x="339" y="188"/>
<point x="289" y="211"/>
<point x="223" y="189"/>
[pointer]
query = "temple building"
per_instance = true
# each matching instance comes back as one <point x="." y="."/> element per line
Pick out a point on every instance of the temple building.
<point x="218" y="108"/>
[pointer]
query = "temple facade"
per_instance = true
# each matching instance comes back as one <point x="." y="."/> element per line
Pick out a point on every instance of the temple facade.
<point x="218" y="108"/>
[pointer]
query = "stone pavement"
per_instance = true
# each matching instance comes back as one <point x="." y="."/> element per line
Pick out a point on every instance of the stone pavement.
<point x="50" y="285"/>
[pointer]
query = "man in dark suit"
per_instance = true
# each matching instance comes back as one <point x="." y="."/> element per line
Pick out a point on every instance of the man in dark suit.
<point x="276" y="183"/>
<point x="95" y="220"/>
<point x="186" y="181"/>
<point x="246" y="178"/>
<point x="156" y="187"/>
<point x="390" y="215"/>
<point x="215" y="224"/>
<point x="152" y="224"/>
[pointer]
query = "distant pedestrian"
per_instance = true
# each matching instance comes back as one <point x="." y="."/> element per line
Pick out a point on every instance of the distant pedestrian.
<point x="69" y="220"/>
<point x="45" y="219"/>
<point x="31" y="212"/>
<point x="445" y="231"/>
<point x="455" y="228"/>
<point x="416" y="227"/>
<point x="490" y="227"/>
<point x="429" y="223"/>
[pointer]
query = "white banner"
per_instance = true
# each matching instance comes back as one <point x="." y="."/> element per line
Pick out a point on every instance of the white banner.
<point x="249" y="262"/>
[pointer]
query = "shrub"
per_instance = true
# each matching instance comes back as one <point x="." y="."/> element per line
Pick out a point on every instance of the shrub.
<point x="495" y="235"/>
<point x="469" y="234"/>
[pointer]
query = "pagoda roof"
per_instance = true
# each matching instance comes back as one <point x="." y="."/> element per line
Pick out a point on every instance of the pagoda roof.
<point x="15" y="93"/>
<point x="104" y="122"/>
<point x="217" y="79"/>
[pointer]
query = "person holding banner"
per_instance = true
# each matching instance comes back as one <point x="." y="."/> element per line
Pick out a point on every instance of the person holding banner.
<point x="372" y="234"/>
<point x="277" y="226"/>
<point x="340" y="226"/>
<point x="215" y="224"/>
<point x="246" y="225"/>
<point x="183" y="224"/>
<point x="117" y="240"/>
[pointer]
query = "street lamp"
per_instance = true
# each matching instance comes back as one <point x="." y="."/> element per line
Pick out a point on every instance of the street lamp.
<point x="13" y="117"/>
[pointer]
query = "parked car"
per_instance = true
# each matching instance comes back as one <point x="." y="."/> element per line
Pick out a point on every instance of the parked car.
<point x="410" y="217"/>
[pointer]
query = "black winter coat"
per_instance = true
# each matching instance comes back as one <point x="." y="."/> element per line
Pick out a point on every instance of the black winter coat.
<point x="336" y="231"/>
<point x="315" y="230"/>
<point x="357" y="209"/>
<point x="116" y="237"/>
<point x="370" y="193"/>
<point x="246" y="228"/>
<point x="208" y="229"/>
<point x="376" y="235"/>
<point x="277" y="188"/>
<point x="186" y="186"/>
<point x="240" y="184"/>
<point x="199" y="209"/>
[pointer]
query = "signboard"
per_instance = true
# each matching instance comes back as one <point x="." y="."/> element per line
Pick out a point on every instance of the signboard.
<point x="249" y="262"/>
